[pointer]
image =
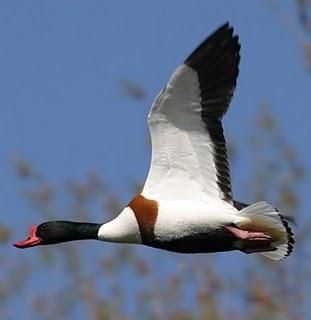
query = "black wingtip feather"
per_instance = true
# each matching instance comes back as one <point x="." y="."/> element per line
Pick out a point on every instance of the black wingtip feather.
<point x="216" y="61"/>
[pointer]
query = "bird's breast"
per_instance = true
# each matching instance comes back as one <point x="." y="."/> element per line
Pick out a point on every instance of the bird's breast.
<point x="182" y="225"/>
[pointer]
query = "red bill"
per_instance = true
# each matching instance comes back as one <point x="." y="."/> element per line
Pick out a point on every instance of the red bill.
<point x="31" y="241"/>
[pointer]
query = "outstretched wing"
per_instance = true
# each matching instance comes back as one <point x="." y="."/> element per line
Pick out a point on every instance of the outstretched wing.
<point x="189" y="156"/>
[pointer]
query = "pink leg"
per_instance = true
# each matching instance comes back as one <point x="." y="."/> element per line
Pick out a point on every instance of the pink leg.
<point x="248" y="235"/>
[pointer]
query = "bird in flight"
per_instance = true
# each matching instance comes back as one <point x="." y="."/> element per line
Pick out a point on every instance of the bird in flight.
<point x="186" y="204"/>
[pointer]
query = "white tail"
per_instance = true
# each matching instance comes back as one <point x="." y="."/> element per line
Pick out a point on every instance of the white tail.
<point x="265" y="218"/>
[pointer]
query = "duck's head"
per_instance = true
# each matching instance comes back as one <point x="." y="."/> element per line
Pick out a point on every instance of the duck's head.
<point x="52" y="232"/>
<point x="123" y="229"/>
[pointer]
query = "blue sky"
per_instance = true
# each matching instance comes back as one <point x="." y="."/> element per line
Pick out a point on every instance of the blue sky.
<point x="62" y="64"/>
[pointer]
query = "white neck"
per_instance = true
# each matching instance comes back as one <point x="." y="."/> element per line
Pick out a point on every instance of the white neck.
<point x="123" y="229"/>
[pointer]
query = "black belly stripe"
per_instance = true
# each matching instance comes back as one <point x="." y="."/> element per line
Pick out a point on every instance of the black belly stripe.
<point x="216" y="240"/>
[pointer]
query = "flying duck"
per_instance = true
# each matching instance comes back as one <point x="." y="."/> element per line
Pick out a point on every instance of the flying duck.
<point x="186" y="204"/>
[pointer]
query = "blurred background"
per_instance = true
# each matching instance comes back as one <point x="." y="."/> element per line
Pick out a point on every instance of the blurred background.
<point x="77" y="80"/>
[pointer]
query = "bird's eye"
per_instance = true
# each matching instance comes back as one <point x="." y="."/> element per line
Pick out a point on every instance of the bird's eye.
<point x="43" y="226"/>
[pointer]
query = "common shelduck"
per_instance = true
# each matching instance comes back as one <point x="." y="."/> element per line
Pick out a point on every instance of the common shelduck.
<point x="186" y="204"/>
